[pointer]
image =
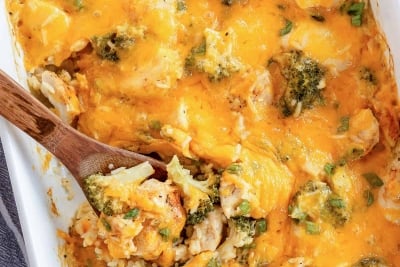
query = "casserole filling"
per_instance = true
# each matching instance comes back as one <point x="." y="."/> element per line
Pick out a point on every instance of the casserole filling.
<point x="278" y="121"/>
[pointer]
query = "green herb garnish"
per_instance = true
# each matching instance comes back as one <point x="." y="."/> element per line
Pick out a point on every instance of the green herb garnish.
<point x="373" y="179"/>
<point x="132" y="214"/>
<point x="312" y="228"/>
<point x="356" y="13"/>
<point x="369" y="197"/>
<point x="261" y="226"/>
<point x="329" y="169"/>
<point x="245" y="207"/>
<point x="234" y="168"/>
<point x="165" y="233"/>
<point x="287" y="28"/>
<point x="344" y="124"/>
<point x="336" y="202"/>
<point x="106" y="224"/>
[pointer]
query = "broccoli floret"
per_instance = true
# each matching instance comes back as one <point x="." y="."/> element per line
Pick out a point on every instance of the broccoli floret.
<point x="206" y="206"/>
<point x="200" y="50"/>
<point x="98" y="186"/>
<point x="370" y="262"/>
<point x="109" y="45"/>
<point x="304" y="82"/>
<point x="245" y="224"/>
<point x="94" y="188"/>
<point x="242" y="231"/>
<point x="200" y="214"/>
<point x="199" y="195"/>
<point x="213" y="56"/>
<point x="335" y="211"/>
<point x="315" y="202"/>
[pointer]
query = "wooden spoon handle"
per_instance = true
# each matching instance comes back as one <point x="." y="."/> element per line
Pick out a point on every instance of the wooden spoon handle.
<point x="27" y="113"/>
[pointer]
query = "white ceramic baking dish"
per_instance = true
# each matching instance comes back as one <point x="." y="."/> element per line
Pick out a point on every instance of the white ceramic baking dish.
<point x="31" y="183"/>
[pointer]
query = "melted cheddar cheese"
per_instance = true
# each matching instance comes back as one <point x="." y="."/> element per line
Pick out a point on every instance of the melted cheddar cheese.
<point x="209" y="81"/>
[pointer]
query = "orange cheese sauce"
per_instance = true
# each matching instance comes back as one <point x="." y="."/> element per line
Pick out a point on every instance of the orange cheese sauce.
<point x="148" y="101"/>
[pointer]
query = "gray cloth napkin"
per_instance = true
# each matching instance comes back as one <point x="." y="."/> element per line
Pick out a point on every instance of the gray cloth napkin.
<point x="12" y="248"/>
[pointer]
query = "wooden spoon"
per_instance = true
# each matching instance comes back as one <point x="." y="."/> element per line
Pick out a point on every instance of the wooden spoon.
<point x="82" y="155"/>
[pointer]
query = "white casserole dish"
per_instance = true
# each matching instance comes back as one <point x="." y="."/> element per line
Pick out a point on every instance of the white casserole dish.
<point x="25" y="158"/>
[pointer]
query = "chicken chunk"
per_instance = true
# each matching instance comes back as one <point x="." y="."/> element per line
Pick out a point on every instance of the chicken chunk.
<point x="364" y="130"/>
<point x="260" y="93"/>
<point x="389" y="193"/>
<point x="208" y="234"/>
<point x="389" y="122"/>
<point x="231" y="197"/>
<point x="389" y="199"/>
<point x="57" y="90"/>
<point x="85" y="224"/>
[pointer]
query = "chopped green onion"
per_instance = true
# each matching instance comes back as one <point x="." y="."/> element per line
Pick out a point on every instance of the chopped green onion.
<point x="356" y="8"/>
<point x="164" y="232"/>
<point x="356" y="20"/>
<point x="336" y="202"/>
<point x="353" y="154"/>
<point x="373" y="179"/>
<point x="344" y="124"/>
<point x="369" y="197"/>
<point x="312" y="228"/>
<point x="287" y="28"/>
<point x="329" y="169"/>
<point x="106" y="224"/>
<point x="132" y="214"/>
<point x="356" y="13"/>
<point x="234" y="168"/>
<point x="245" y="207"/>
<point x="261" y="226"/>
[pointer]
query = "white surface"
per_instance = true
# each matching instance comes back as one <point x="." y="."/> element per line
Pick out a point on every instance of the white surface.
<point x="30" y="184"/>
<point x="388" y="14"/>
